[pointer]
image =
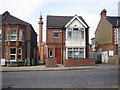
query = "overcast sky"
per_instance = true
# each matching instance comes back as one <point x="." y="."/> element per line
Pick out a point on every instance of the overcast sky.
<point x="29" y="10"/>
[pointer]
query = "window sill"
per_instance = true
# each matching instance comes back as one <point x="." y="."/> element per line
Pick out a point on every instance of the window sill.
<point x="56" y="37"/>
<point x="51" y="56"/>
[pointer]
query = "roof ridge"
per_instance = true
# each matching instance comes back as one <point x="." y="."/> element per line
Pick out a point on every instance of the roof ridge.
<point x="20" y="19"/>
<point x="4" y="15"/>
<point x="113" y="16"/>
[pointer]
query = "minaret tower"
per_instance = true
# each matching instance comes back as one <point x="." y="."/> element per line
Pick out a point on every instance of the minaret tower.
<point x="40" y="34"/>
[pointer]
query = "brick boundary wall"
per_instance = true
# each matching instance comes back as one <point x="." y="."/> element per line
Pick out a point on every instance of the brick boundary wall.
<point x="14" y="64"/>
<point x="50" y="62"/>
<point x="114" y="59"/>
<point x="80" y="62"/>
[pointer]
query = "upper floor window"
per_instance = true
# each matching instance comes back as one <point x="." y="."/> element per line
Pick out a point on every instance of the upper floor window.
<point x="75" y="33"/>
<point x="13" y="34"/>
<point x="56" y="33"/>
<point x="20" y="34"/>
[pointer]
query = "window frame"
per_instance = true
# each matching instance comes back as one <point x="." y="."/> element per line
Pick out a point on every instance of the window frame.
<point x="20" y="35"/>
<point x="20" y="53"/>
<point x="75" y="50"/>
<point x="56" y="31"/>
<point x="79" y="31"/>
<point x="13" y="54"/>
<point x="50" y="54"/>
<point x="13" y="35"/>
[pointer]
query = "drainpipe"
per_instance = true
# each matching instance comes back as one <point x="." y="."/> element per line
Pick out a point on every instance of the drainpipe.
<point x="62" y="45"/>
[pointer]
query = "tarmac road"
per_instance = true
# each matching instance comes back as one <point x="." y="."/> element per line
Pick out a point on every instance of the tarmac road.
<point x="104" y="76"/>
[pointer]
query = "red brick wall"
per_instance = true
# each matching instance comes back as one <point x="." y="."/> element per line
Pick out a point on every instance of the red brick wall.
<point x="50" y="36"/>
<point x="107" y="47"/>
<point x="50" y="62"/>
<point x="80" y="62"/>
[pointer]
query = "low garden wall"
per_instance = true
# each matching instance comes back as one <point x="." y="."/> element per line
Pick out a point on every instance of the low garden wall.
<point x="50" y="62"/>
<point x="114" y="59"/>
<point x="80" y="62"/>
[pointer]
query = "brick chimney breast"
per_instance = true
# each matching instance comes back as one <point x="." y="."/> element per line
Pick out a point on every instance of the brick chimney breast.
<point x="103" y="13"/>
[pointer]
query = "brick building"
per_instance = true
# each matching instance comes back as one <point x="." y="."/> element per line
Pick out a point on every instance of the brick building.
<point x="67" y="40"/>
<point x="107" y="37"/>
<point x="18" y="41"/>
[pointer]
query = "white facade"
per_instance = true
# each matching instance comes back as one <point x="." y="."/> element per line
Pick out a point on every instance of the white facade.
<point x="75" y="39"/>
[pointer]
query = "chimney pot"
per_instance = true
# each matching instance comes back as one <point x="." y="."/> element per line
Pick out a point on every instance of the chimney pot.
<point x="103" y="13"/>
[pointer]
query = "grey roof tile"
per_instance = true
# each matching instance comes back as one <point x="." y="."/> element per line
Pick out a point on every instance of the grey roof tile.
<point x="7" y="18"/>
<point x="114" y="20"/>
<point x="60" y="21"/>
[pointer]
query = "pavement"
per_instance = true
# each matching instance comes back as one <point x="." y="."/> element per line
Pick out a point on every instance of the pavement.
<point x="58" y="68"/>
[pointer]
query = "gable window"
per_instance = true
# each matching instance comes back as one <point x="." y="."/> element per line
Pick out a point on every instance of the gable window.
<point x="56" y="33"/>
<point x="69" y="33"/>
<point x="13" y="54"/>
<point x="13" y="34"/>
<point x="75" y="33"/>
<point x="20" y="34"/>
<point x="19" y="54"/>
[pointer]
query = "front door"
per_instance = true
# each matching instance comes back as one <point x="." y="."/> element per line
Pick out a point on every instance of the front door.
<point x="58" y="55"/>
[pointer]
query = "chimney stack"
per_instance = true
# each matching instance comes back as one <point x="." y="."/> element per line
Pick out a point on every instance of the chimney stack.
<point x="103" y="13"/>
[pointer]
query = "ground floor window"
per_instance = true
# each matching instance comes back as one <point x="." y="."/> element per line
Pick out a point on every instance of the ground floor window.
<point x="20" y="54"/>
<point x="12" y="53"/>
<point x="15" y="54"/>
<point x="50" y="52"/>
<point x="75" y="53"/>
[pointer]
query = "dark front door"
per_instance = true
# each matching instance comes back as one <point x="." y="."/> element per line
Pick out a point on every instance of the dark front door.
<point x="58" y="55"/>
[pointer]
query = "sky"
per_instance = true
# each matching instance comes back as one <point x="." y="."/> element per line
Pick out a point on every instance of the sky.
<point x="30" y="11"/>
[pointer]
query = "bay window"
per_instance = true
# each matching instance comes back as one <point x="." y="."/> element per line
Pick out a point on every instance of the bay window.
<point x="75" y="33"/>
<point x="75" y="53"/>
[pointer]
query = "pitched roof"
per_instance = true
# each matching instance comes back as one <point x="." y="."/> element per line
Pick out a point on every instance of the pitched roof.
<point x="114" y="20"/>
<point x="7" y="18"/>
<point x="60" y="21"/>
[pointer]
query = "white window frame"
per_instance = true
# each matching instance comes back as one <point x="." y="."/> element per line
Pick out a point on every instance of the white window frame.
<point x="80" y="29"/>
<point x="72" y="49"/>
<point x="14" y="35"/>
<point x="20" y="35"/>
<point x="56" y="31"/>
<point x="20" y="54"/>
<point x="13" y="54"/>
